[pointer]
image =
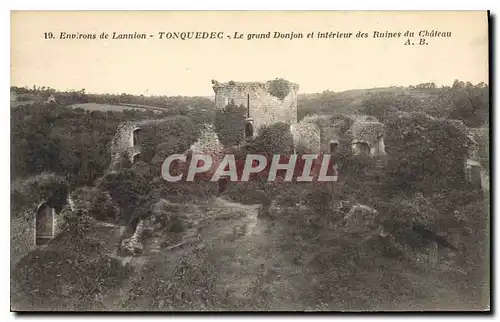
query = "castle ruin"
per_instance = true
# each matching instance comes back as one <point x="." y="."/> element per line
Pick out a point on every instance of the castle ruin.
<point x="265" y="103"/>
<point x="368" y="138"/>
<point x="125" y="144"/>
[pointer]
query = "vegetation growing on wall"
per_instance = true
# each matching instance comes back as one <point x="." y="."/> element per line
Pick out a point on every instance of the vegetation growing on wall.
<point x="71" y="143"/>
<point x="279" y="88"/>
<point x="170" y="137"/>
<point x="273" y="139"/>
<point x="482" y="138"/>
<point x="230" y="124"/>
<point x="423" y="184"/>
<point x="367" y="131"/>
<point x="426" y="153"/>
<point x="40" y="188"/>
<point x="72" y="273"/>
<point x="128" y="190"/>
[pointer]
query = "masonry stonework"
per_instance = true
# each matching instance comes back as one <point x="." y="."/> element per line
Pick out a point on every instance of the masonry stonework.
<point x="475" y="171"/>
<point x="368" y="138"/>
<point x="306" y="137"/>
<point x="263" y="108"/>
<point x="125" y="143"/>
<point x="23" y="231"/>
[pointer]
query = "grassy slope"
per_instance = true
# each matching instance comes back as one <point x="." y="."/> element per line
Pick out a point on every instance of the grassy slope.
<point x="350" y="101"/>
<point x="114" y="108"/>
<point x="238" y="263"/>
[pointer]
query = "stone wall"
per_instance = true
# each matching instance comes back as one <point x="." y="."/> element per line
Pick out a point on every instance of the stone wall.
<point x="328" y="135"/>
<point x="332" y="128"/>
<point x="306" y="137"/>
<point x="22" y="232"/>
<point x="208" y="142"/>
<point x="123" y="144"/>
<point x="265" y="109"/>
<point x="370" y="134"/>
<point x="478" y="157"/>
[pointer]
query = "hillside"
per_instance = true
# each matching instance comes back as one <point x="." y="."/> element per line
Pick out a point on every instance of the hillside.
<point x="229" y="256"/>
<point x="116" y="108"/>
<point x="398" y="231"/>
<point x="352" y="101"/>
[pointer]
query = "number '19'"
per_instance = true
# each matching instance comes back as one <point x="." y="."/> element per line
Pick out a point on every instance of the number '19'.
<point x="48" y="35"/>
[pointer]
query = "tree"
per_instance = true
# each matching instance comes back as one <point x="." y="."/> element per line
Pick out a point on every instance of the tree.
<point x="274" y="139"/>
<point x="466" y="102"/>
<point x="128" y="189"/>
<point x="380" y="105"/>
<point x="230" y="124"/>
<point x="426" y="153"/>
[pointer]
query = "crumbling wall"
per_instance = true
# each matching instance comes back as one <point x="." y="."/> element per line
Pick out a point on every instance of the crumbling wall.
<point x="266" y="107"/>
<point x="368" y="133"/>
<point x="133" y="245"/>
<point x="332" y="128"/>
<point x="478" y="157"/>
<point x="208" y="142"/>
<point x="26" y="198"/>
<point x="22" y="231"/>
<point x="306" y="137"/>
<point x="329" y="134"/>
<point x="123" y="145"/>
<point x="22" y="235"/>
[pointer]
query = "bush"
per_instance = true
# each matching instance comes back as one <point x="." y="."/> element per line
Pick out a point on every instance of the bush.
<point x="230" y="124"/>
<point x="188" y="285"/>
<point x="72" y="273"/>
<point x="279" y="88"/>
<point x="43" y="187"/>
<point x="274" y="139"/>
<point x="128" y="190"/>
<point x="249" y="192"/>
<point x="426" y="154"/>
<point x="167" y="215"/>
<point x="185" y="191"/>
<point x="103" y="208"/>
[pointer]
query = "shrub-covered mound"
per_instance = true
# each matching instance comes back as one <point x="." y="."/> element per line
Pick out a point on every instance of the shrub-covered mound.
<point x="72" y="273"/>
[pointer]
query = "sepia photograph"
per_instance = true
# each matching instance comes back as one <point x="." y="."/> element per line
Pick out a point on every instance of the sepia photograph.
<point x="250" y="161"/>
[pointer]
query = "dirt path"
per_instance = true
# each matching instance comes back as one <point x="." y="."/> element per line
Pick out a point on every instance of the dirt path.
<point x="252" y="273"/>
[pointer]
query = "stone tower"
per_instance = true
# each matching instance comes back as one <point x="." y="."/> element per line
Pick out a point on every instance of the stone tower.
<point x="126" y="143"/>
<point x="265" y="103"/>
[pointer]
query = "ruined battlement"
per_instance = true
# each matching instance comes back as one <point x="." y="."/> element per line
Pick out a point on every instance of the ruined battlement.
<point x="251" y="86"/>
<point x="266" y="103"/>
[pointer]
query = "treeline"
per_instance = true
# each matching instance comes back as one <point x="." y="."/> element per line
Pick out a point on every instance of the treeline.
<point x="461" y="100"/>
<point x="75" y="143"/>
<point x="70" y="142"/>
<point x="178" y="104"/>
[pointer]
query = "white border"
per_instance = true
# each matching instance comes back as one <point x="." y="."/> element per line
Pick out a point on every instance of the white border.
<point x="196" y="5"/>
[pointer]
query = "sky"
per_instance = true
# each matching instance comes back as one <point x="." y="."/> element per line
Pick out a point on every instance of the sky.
<point x="175" y="67"/>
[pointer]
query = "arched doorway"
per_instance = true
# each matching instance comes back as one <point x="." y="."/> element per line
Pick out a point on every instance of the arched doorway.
<point x="248" y="130"/>
<point x="361" y="148"/>
<point x="333" y="146"/>
<point x="135" y="137"/>
<point x="364" y="148"/>
<point x="44" y="224"/>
